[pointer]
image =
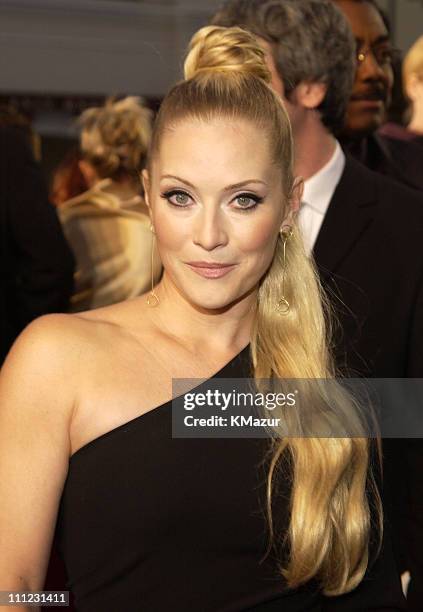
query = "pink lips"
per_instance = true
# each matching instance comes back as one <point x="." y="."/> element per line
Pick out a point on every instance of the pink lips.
<point x="210" y="270"/>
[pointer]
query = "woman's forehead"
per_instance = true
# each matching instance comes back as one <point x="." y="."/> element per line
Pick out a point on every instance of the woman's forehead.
<point x="220" y="145"/>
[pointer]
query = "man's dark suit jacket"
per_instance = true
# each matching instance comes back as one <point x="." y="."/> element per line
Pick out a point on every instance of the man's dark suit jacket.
<point x="369" y="252"/>
<point x="399" y="160"/>
<point x="36" y="264"/>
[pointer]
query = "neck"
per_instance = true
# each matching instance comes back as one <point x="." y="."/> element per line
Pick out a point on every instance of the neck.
<point x="314" y="146"/>
<point x="221" y="331"/>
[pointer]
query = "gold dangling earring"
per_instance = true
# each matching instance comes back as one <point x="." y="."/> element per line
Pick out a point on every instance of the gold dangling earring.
<point x="283" y="306"/>
<point x="153" y="299"/>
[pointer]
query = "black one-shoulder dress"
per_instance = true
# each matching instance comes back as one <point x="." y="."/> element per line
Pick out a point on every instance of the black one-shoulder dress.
<point x="151" y="523"/>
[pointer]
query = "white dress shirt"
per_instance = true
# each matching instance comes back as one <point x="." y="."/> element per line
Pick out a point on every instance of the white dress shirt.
<point x="318" y="192"/>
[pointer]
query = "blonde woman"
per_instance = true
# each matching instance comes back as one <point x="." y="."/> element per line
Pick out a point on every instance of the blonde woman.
<point x="150" y="522"/>
<point x="413" y="88"/>
<point x="107" y="226"/>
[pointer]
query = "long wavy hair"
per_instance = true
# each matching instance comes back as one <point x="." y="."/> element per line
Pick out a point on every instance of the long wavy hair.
<point x="332" y="484"/>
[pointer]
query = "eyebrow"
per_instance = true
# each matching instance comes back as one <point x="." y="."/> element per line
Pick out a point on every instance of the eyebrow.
<point x="228" y="188"/>
<point x="379" y="40"/>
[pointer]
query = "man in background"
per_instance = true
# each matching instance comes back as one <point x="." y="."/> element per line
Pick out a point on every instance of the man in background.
<point x="364" y="231"/>
<point x="371" y="96"/>
<point x="36" y="264"/>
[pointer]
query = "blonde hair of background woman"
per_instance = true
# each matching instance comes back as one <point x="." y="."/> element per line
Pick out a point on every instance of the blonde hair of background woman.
<point x="413" y="63"/>
<point x="329" y="530"/>
<point x="115" y="137"/>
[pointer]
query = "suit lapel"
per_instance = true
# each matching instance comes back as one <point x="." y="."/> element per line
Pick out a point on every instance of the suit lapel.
<point x="350" y="212"/>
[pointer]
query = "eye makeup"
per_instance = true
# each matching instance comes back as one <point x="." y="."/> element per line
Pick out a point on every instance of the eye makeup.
<point x="248" y="196"/>
<point x="180" y="199"/>
<point x="175" y="197"/>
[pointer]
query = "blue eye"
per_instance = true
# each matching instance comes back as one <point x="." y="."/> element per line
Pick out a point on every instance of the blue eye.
<point x="177" y="198"/>
<point x="248" y="201"/>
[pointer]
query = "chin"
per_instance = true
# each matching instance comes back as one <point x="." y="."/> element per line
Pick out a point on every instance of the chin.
<point x="214" y="298"/>
<point x="218" y="294"/>
<point x="363" y="126"/>
<point x="214" y="303"/>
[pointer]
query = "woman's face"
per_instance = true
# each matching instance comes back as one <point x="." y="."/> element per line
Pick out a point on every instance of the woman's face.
<point x="217" y="206"/>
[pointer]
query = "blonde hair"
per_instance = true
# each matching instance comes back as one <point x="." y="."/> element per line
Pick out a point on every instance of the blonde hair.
<point x="413" y="63"/>
<point x="329" y="528"/>
<point x="115" y="137"/>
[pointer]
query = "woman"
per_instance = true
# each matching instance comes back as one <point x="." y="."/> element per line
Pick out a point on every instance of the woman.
<point x="151" y="522"/>
<point x="413" y="87"/>
<point x="107" y="226"/>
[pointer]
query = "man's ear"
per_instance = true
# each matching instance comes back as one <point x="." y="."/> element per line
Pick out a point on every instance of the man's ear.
<point x="310" y="95"/>
<point x="294" y="203"/>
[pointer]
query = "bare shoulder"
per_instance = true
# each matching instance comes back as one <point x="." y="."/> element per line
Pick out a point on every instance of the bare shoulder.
<point x="52" y="349"/>
<point x="63" y="338"/>
<point x="47" y="368"/>
<point x="49" y="343"/>
<point x="121" y="323"/>
<point x="40" y="364"/>
<point x="41" y="343"/>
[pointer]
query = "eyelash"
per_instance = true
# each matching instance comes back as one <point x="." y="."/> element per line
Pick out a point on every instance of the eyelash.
<point x="256" y="199"/>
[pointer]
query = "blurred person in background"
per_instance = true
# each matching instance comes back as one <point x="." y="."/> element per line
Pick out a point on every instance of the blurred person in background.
<point x="404" y="116"/>
<point x="350" y="223"/>
<point x="67" y="180"/>
<point x="371" y="97"/>
<point x="36" y="264"/>
<point x="413" y="87"/>
<point x="10" y="116"/>
<point x="107" y="226"/>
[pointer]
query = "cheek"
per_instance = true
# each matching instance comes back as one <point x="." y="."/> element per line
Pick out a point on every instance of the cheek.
<point x="257" y="237"/>
<point x="171" y="233"/>
<point x="257" y="245"/>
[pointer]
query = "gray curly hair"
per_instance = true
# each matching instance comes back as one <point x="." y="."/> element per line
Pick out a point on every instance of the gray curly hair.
<point x="311" y="41"/>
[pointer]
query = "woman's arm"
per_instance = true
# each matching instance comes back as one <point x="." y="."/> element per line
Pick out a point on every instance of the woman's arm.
<point x="37" y="385"/>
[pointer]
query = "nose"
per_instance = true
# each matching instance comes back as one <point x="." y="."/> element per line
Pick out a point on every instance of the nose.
<point x="210" y="230"/>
